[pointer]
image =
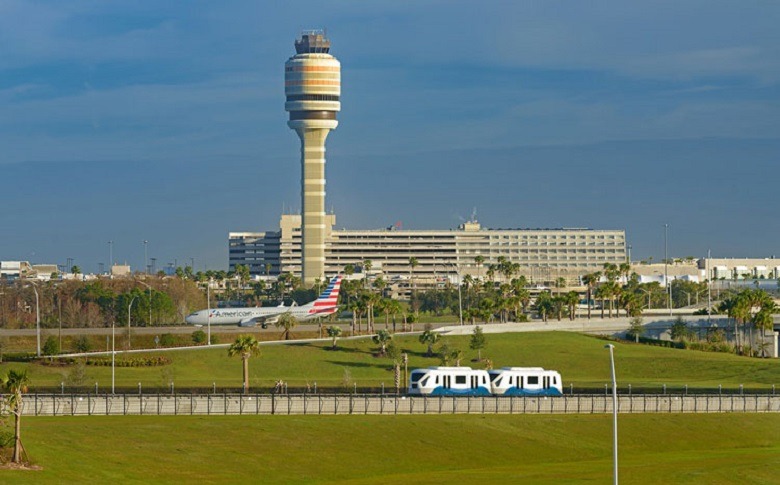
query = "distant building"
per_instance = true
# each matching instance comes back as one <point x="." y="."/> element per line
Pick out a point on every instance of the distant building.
<point x="740" y="268"/>
<point x="121" y="270"/>
<point x="11" y="270"/>
<point x="543" y="255"/>
<point x="656" y="272"/>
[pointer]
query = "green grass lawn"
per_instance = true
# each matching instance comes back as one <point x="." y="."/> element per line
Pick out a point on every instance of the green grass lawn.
<point x="728" y="448"/>
<point x="581" y="360"/>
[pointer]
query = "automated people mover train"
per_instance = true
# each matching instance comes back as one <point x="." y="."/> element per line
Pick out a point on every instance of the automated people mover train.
<point x="465" y="381"/>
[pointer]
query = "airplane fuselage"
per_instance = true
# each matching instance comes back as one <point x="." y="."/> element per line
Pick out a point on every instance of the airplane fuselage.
<point x="238" y="316"/>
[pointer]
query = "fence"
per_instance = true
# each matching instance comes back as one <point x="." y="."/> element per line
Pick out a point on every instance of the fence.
<point x="336" y="404"/>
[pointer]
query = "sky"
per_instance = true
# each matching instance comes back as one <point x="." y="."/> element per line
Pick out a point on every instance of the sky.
<point x="128" y="121"/>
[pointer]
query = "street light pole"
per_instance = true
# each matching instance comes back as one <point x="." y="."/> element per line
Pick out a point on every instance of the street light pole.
<point x="128" y="321"/>
<point x="113" y="352"/>
<point x="709" y="288"/>
<point x="110" y="255"/>
<point x="150" y="301"/>
<point x="208" y="311"/>
<point x="666" y="267"/>
<point x="37" y="319"/>
<point x="146" y="260"/>
<point x="614" y="415"/>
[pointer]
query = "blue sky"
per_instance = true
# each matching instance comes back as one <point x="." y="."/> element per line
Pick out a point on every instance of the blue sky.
<point x="164" y="121"/>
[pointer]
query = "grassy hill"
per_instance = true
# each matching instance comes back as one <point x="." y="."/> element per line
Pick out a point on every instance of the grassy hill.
<point x="679" y="448"/>
<point x="581" y="359"/>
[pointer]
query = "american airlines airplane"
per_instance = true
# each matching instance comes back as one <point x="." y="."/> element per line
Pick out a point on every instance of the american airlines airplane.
<point x="326" y="304"/>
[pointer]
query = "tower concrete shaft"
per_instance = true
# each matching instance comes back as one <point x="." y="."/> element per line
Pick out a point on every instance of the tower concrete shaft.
<point x="313" y="88"/>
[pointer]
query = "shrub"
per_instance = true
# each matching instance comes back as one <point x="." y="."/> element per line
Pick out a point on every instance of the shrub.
<point x="167" y="340"/>
<point x="132" y="362"/>
<point x="214" y="339"/>
<point x="51" y="346"/>
<point x="199" y="337"/>
<point x="83" y="344"/>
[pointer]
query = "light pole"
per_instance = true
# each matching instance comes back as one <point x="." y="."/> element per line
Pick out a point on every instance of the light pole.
<point x="37" y="319"/>
<point x="146" y="260"/>
<point x="208" y="311"/>
<point x="709" y="288"/>
<point x="128" y="321"/>
<point x="113" y="352"/>
<point x="110" y="255"/>
<point x="150" y="302"/>
<point x="460" y="299"/>
<point x="648" y="296"/>
<point x="614" y="415"/>
<point x="666" y="267"/>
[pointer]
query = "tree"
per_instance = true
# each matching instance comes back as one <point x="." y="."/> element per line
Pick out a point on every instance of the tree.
<point x="382" y="338"/>
<point x="429" y="338"/>
<point x="544" y="305"/>
<point x="51" y="346"/>
<point x="75" y="270"/>
<point x="590" y="280"/>
<point x="456" y="355"/>
<point x="246" y="346"/>
<point x="287" y="322"/>
<point x="334" y="332"/>
<point x="413" y="263"/>
<point x="478" y="342"/>
<point x="636" y="328"/>
<point x="15" y="385"/>
<point x="83" y="344"/>
<point x="679" y="330"/>
<point x="572" y="298"/>
<point x="199" y="337"/>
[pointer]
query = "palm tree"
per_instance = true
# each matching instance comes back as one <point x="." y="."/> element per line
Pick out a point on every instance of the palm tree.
<point x="366" y="268"/>
<point x="413" y="263"/>
<point x="429" y="338"/>
<point x="544" y="305"/>
<point x="15" y="385"/>
<point x="246" y="346"/>
<point x="478" y="260"/>
<point x="572" y="298"/>
<point x="591" y="280"/>
<point x="334" y="332"/>
<point x="287" y="322"/>
<point x="382" y="338"/>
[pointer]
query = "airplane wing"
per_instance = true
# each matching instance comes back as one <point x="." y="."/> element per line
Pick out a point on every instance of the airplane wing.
<point x="261" y="319"/>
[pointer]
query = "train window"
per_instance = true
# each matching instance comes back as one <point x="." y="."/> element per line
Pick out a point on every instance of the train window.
<point x="424" y="382"/>
<point x="437" y="380"/>
<point x="460" y="379"/>
<point x="416" y="376"/>
<point x="532" y="380"/>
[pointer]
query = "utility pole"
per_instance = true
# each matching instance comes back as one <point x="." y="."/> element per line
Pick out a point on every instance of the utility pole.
<point x="666" y="267"/>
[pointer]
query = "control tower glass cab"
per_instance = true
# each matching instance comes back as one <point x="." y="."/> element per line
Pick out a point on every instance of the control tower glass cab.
<point x="312" y="85"/>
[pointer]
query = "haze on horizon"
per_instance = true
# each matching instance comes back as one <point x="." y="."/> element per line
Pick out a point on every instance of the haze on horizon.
<point x="132" y="121"/>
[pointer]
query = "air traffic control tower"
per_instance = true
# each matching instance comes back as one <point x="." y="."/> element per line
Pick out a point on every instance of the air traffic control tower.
<point x="312" y="83"/>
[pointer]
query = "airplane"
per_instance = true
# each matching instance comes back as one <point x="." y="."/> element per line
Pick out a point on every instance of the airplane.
<point x="325" y="304"/>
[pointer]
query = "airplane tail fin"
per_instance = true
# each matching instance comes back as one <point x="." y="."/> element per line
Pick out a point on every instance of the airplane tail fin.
<point x="329" y="298"/>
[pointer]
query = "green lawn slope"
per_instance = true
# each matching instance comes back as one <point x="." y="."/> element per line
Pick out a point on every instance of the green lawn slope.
<point x="690" y="449"/>
<point x="581" y="360"/>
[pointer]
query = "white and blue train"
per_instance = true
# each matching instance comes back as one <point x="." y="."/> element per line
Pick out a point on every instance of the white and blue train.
<point x="465" y="381"/>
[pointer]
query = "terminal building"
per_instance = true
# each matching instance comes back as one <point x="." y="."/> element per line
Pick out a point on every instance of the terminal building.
<point x="543" y="255"/>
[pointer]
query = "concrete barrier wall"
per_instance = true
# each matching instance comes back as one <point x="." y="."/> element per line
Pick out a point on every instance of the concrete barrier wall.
<point x="329" y="404"/>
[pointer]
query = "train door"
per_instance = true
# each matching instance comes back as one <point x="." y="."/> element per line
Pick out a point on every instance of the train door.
<point x="546" y="382"/>
<point x="474" y="382"/>
<point x="446" y="380"/>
